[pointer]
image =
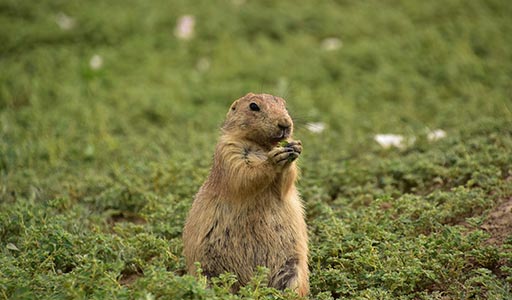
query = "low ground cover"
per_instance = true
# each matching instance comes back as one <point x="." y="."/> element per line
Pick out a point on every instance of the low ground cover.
<point x="108" y="121"/>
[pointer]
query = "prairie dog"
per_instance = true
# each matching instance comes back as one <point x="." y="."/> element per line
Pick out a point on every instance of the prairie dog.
<point x="248" y="212"/>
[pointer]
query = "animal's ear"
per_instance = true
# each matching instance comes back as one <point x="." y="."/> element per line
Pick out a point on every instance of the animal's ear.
<point x="228" y="122"/>
<point x="234" y="105"/>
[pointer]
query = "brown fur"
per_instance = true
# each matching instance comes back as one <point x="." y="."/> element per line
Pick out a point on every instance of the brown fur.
<point x="248" y="212"/>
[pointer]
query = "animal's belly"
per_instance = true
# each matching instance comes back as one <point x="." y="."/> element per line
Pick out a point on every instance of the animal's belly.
<point x="249" y="241"/>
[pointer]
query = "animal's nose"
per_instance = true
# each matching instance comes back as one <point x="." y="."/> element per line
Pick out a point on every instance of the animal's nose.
<point x="284" y="123"/>
<point x="283" y="126"/>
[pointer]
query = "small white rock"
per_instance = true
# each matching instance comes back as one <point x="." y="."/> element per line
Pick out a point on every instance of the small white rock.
<point x="316" y="127"/>
<point x="435" y="135"/>
<point x="331" y="44"/>
<point x="64" y="21"/>
<point x="390" y="140"/>
<point x="96" y="62"/>
<point x="185" y="27"/>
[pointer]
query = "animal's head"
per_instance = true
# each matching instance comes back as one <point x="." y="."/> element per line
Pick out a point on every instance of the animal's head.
<point x="260" y="118"/>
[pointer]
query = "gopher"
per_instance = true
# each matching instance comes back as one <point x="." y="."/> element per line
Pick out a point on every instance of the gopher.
<point x="248" y="212"/>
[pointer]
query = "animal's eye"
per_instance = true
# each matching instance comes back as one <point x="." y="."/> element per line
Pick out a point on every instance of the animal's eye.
<point x="254" y="107"/>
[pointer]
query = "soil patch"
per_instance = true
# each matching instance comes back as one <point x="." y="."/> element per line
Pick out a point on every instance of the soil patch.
<point x="129" y="279"/>
<point x="499" y="222"/>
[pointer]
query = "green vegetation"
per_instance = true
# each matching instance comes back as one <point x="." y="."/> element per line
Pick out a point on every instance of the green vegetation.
<point x="100" y="157"/>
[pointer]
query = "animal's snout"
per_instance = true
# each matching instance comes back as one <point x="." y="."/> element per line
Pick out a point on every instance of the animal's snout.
<point x="283" y="126"/>
<point x="284" y="123"/>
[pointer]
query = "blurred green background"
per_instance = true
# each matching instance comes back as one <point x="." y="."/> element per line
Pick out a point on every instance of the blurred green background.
<point x="109" y="115"/>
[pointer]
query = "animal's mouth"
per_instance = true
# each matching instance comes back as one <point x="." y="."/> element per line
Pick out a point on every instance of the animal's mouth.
<point x="283" y="135"/>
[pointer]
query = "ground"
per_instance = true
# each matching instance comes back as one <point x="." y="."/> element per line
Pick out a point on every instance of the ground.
<point x="499" y="222"/>
<point x="109" y="115"/>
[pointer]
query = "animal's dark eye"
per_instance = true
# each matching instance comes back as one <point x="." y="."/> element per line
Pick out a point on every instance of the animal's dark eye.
<point x="254" y="107"/>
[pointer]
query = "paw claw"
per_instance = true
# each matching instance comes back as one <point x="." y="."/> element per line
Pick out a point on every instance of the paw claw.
<point x="282" y="156"/>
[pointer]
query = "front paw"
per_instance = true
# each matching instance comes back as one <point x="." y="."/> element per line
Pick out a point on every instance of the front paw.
<point x="295" y="145"/>
<point x="284" y="155"/>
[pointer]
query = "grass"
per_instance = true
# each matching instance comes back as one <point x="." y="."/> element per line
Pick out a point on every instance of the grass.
<point x="98" y="167"/>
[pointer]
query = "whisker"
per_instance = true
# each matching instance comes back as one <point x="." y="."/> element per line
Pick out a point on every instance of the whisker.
<point x="300" y="121"/>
